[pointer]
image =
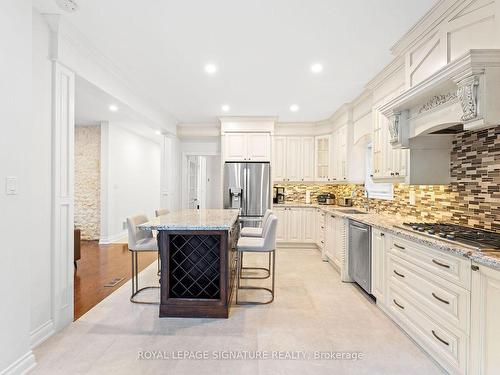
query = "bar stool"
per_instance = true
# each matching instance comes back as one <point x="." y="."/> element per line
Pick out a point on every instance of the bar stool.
<point x="264" y="244"/>
<point x="161" y="212"/>
<point x="257" y="232"/>
<point x="139" y="241"/>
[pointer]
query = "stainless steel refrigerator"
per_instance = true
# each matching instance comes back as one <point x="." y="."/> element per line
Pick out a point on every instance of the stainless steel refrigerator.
<point x="247" y="186"/>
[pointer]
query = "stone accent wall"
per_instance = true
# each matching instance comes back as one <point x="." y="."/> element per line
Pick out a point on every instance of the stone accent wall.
<point x="88" y="181"/>
<point x="472" y="198"/>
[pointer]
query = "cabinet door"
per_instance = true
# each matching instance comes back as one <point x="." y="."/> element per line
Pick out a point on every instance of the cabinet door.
<point x="378" y="265"/>
<point x="307" y="159"/>
<point x="295" y="229"/>
<point x="342" y="153"/>
<point x="235" y="147"/>
<point x="485" y="325"/>
<point x="377" y="144"/>
<point x="330" y="237"/>
<point x="281" y="230"/>
<point x="279" y="159"/>
<point x="309" y="224"/>
<point x="323" y="158"/>
<point x="258" y="147"/>
<point x="293" y="162"/>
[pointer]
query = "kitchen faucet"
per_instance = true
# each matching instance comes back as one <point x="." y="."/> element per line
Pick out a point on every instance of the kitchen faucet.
<point x="367" y="198"/>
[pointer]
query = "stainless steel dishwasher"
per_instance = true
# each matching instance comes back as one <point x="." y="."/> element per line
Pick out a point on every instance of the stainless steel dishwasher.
<point x="360" y="254"/>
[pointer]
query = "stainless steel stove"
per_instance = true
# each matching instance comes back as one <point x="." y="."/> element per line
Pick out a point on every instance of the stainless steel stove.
<point x="478" y="239"/>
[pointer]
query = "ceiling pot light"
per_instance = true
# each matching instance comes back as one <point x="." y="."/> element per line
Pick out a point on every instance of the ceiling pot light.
<point x="316" y="68"/>
<point x="210" y="68"/>
<point x="113" y="108"/>
<point x="158" y="132"/>
<point x="67" y="5"/>
<point x="294" y="108"/>
<point x="225" y="108"/>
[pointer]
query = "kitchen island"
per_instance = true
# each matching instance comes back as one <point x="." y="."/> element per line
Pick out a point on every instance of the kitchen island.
<point x="198" y="262"/>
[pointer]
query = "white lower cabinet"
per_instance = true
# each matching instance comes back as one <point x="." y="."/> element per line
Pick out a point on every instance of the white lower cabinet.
<point x="295" y="224"/>
<point x="379" y="248"/>
<point x="427" y="292"/>
<point x="485" y="322"/>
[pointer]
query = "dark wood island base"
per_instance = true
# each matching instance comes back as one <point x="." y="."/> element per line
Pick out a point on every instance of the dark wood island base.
<point x="198" y="270"/>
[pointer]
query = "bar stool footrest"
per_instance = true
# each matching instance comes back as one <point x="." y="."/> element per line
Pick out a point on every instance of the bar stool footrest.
<point x="132" y="297"/>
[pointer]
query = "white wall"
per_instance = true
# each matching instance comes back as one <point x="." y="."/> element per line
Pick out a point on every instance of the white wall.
<point x="19" y="218"/>
<point x="201" y="146"/>
<point x="214" y="187"/>
<point x="40" y="255"/>
<point x="131" y="178"/>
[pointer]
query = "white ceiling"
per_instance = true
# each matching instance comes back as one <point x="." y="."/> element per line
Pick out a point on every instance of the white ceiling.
<point x="263" y="50"/>
<point x="92" y="108"/>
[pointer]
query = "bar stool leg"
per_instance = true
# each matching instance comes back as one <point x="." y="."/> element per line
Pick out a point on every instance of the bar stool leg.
<point x="135" y="282"/>
<point x="271" y="291"/>
<point x="267" y="270"/>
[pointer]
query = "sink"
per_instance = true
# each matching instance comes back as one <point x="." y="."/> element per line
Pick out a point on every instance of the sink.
<point x="351" y="211"/>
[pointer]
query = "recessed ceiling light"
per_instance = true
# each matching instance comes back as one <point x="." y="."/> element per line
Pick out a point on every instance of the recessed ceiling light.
<point x="294" y="108"/>
<point x="158" y="132"/>
<point x="210" y="68"/>
<point x="316" y="68"/>
<point x="225" y="108"/>
<point x="113" y="108"/>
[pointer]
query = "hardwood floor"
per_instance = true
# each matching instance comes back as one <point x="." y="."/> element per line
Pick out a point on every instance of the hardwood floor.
<point x="98" y="266"/>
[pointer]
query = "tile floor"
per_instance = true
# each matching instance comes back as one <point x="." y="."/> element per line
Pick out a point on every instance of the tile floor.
<point x="313" y="311"/>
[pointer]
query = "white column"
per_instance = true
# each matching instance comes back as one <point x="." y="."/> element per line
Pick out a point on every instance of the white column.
<point x="63" y="130"/>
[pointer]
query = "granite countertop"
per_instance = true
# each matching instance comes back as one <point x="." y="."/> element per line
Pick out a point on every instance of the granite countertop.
<point x="209" y="219"/>
<point x="392" y="224"/>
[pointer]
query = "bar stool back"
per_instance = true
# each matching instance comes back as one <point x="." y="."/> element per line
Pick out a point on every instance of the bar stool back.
<point x="161" y="212"/>
<point x="139" y="241"/>
<point x="256" y="232"/>
<point x="264" y="244"/>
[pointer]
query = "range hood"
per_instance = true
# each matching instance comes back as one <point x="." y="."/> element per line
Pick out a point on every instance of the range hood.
<point x="463" y="95"/>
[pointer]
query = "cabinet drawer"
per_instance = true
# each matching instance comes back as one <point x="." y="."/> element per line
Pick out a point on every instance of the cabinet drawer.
<point x="447" y="301"/>
<point x="452" y="268"/>
<point x="447" y="345"/>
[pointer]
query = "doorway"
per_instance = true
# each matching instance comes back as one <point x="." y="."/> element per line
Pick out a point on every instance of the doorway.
<point x="201" y="181"/>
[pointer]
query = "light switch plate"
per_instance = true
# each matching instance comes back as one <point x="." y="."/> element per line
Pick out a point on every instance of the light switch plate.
<point x="11" y="185"/>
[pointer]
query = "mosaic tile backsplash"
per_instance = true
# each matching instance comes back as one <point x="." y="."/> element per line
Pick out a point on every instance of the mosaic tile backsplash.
<point x="472" y="198"/>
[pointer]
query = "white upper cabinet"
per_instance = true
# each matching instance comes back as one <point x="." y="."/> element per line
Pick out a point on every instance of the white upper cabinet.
<point x="247" y="147"/>
<point x="279" y="159"/>
<point x="307" y="160"/>
<point x="323" y="158"/>
<point x="293" y="159"/>
<point x="339" y="154"/>
<point x="259" y="147"/>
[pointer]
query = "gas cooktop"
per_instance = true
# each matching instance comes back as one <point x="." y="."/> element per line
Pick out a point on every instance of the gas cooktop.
<point x="478" y="239"/>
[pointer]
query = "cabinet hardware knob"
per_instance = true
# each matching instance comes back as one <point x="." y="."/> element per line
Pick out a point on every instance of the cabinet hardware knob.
<point x="474" y="267"/>
<point x="382" y="234"/>
<point x="392" y="173"/>
<point x="440" y="339"/>
<point x="399" y="274"/>
<point x="440" y="299"/>
<point x="440" y="264"/>
<point x="397" y="173"/>
<point x="399" y="247"/>
<point x="371" y="175"/>
<point x="398" y="305"/>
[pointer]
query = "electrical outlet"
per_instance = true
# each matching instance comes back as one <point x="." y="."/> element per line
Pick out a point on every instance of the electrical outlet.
<point x="412" y="198"/>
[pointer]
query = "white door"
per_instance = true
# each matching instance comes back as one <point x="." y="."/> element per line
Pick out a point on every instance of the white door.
<point x="309" y="224"/>
<point x="293" y="159"/>
<point x="485" y="325"/>
<point x="281" y="229"/>
<point x="378" y="265"/>
<point x="307" y="158"/>
<point x="295" y="230"/>
<point x="279" y="159"/>
<point x="235" y="147"/>
<point x="193" y="182"/>
<point x="258" y="147"/>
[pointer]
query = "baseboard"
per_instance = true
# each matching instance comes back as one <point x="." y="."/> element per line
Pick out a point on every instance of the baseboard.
<point x="22" y="366"/>
<point x="119" y="237"/>
<point x="41" y="334"/>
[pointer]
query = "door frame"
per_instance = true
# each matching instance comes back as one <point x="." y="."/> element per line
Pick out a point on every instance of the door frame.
<point x="184" y="183"/>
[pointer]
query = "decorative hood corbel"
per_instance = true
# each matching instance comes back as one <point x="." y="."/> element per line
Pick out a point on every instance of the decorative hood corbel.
<point x="465" y="93"/>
